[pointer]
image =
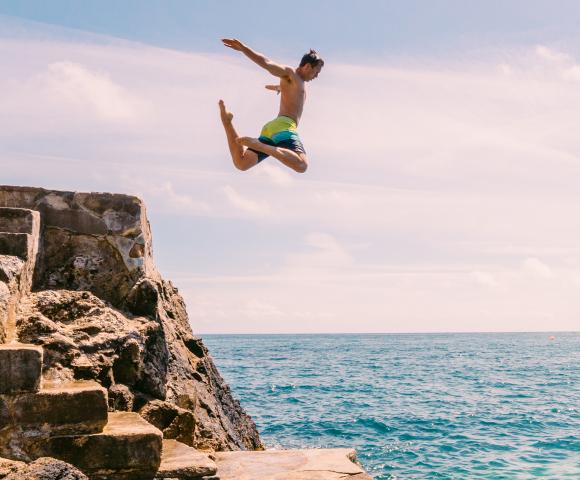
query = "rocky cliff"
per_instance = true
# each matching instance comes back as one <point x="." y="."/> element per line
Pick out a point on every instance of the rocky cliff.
<point x="83" y="285"/>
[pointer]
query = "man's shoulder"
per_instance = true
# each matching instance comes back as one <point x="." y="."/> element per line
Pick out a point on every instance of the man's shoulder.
<point x="289" y="72"/>
<point x="291" y="76"/>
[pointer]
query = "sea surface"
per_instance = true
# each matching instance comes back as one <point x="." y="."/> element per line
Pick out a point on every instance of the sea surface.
<point x="416" y="406"/>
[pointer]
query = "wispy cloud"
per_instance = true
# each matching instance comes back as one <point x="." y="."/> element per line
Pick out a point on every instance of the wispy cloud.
<point x="245" y="204"/>
<point x="92" y="91"/>
<point x="536" y="268"/>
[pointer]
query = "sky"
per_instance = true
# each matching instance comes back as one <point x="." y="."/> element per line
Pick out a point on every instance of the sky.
<point x="442" y="189"/>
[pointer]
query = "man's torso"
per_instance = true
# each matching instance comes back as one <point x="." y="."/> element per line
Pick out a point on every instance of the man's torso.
<point x="293" y="95"/>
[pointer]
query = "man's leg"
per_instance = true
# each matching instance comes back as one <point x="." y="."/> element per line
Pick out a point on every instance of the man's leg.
<point x="243" y="158"/>
<point x="296" y="161"/>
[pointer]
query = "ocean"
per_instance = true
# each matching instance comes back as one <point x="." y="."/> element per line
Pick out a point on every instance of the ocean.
<point x="416" y="406"/>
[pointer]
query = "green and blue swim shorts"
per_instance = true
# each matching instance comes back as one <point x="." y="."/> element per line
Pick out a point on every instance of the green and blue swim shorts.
<point x="280" y="132"/>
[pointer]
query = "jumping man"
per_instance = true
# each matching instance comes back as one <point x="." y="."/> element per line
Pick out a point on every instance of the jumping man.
<point x="279" y="138"/>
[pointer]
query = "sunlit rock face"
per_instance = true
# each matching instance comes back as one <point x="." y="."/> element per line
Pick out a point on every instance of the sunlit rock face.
<point x="102" y="312"/>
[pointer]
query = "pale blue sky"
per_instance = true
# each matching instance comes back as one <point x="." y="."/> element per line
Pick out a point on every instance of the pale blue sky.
<point x="442" y="189"/>
<point x="336" y="27"/>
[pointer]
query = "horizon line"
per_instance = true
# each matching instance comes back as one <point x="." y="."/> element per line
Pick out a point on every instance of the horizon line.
<point x="391" y="333"/>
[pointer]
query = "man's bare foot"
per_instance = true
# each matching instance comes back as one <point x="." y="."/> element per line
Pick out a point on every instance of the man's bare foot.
<point x="226" y="116"/>
<point x="249" y="142"/>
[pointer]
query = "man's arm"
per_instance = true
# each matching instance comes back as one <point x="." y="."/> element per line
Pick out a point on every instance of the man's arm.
<point x="264" y="62"/>
<point x="275" y="88"/>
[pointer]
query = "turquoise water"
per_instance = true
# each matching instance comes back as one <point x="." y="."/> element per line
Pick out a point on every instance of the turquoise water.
<point x="433" y="406"/>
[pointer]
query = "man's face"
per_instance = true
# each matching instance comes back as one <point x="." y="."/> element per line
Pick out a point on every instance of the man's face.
<point x="310" y="72"/>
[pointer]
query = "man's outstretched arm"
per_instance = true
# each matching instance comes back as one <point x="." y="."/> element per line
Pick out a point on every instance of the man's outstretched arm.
<point x="258" y="58"/>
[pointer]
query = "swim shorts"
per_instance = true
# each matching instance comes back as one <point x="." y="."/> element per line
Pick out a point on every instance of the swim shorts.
<point x="280" y="132"/>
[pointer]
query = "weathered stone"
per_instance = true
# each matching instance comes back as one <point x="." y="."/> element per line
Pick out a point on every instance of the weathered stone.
<point x="19" y="237"/>
<point x="129" y="448"/>
<point x="128" y="367"/>
<point x="315" y="464"/>
<point x="15" y="244"/>
<point x="91" y="241"/>
<point x="18" y="220"/>
<point x="20" y="368"/>
<point x="28" y="420"/>
<point x="183" y="462"/>
<point x="143" y="298"/>
<point x="175" y="423"/>
<point x="10" y="268"/>
<point x="46" y="469"/>
<point x="9" y="466"/>
<point x="6" y="310"/>
<point x="60" y="407"/>
<point x="121" y="398"/>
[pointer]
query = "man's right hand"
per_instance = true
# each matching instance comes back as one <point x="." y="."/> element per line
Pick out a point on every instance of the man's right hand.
<point x="233" y="43"/>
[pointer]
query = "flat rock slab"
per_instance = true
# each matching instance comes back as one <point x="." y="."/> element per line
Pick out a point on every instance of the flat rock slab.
<point x="181" y="461"/>
<point x="314" y="464"/>
<point x="20" y="368"/>
<point x="129" y="448"/>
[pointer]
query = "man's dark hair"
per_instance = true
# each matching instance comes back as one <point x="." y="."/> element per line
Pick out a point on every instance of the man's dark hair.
<point x="312" y="58"/>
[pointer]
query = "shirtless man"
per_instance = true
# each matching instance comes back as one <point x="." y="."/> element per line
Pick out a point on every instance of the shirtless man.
<point x="279" y="138"/>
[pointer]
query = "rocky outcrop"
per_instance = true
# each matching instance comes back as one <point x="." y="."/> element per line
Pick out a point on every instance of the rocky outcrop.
<point x="102" y="312"/>
<point x="99" y="367"/>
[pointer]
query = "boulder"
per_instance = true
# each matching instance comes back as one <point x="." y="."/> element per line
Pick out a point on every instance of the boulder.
<point x="9" y="466"/>
<point x="175" y="422"/>
<point x="44" y="469"/>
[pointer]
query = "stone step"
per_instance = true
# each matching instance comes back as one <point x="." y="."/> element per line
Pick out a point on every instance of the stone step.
<point x="183" y="462"/>
<point x="129" y="448"/>
<point x="16" y="244"/>
<point x="18" y="220"/>
<point x="20" y="368"/>
<point x="57" y="409"/>
<point x="306" y="464"/>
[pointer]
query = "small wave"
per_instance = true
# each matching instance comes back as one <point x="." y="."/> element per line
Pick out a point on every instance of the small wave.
<point x="568" y="443"/>
<point x="375" y="425"/>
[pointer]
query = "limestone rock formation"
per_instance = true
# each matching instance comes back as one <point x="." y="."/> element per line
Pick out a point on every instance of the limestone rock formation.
<point x="99" y="367"/>
<point x="102" y="312"/>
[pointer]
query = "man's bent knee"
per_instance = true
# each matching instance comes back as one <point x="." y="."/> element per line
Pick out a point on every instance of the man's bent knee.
<point x="243" y="166"/>
<point x="303" y="166"/>
<point x="248" y="160"/>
